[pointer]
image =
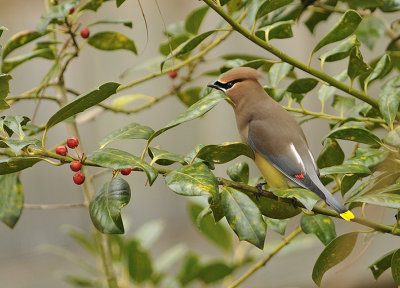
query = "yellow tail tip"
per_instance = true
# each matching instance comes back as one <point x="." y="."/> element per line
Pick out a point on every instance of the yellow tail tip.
<point x="348" y="215"/>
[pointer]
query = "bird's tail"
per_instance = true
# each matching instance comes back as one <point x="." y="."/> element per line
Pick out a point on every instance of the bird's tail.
<point x="345" y="213"/>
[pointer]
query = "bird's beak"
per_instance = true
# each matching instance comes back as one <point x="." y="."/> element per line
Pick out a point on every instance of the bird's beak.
<point x="215" y="86"/>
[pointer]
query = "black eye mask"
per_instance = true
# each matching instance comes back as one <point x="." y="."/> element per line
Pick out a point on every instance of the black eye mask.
<point x="228" y="85"/>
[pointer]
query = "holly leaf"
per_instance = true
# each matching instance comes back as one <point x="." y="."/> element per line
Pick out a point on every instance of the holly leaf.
<point x="109" y="41"/>
<point x="320" y="225"/>
<point x="131" y="131"/>
<point x="11" y="199"/>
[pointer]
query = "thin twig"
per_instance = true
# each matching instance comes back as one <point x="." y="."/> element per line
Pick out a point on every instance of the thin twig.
<point x="54" y="206"/>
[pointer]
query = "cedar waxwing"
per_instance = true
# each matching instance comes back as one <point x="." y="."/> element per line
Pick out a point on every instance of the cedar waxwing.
<point x="280" y="147"/>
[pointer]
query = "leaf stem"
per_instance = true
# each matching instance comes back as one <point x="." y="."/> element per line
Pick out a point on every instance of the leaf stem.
<point x="266" y="259"/>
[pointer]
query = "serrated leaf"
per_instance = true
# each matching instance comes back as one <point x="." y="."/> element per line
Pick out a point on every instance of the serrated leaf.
<point x="356" y="66"/>
<point x="109" y="41"/>
<point x="194" y="19"/>
<point x="105" y="206"/>
<point x="320" y="225"/>
<point x="396" y="265"/>
<point x="20" y="39"/>
<point x="302" y="85"/>
<point x="345" y="169"/>
<point x="15" y="164"/>
<point x="332" y="154"/>
<point x="4" y="90"/>
<point x="346" y="26"/>
<point x="118" y="159"/>
<point x="243" y="216"/>
<point x="216" y="232"/>
<point x="370" y="30"/>
<point x="189" y="96"/>
<point x="277" y="225"/>
<point x="382" y="264"/>
<point x="277" y="30"/>
<point x="389" y="100"/>
<point x="239" y="172"/>
<point x="56" y="12"/>
<point x="393" y="137"/>
<point x="214" y="271"/>
<point x="16" y="144"/>
<point x="306" y="197"/>
<point x="11" y="63"/>
<point x="325" y="92"/>
<point x="192" y="180"/>
<point x="270" y="5"/>
<point x="11" y="199"/>
<point x="275" y="209"/>
<point x="354" y="133"/>
<point x="225" y="152"/>
<point x="163" y="157"/>
<point x="126" y="23"/>
<point x="138" y="262"/>
<point x="198" y="109"/>
<point x="278" y="72"/>
<point x="83" y="102"/>
<point x="381" y="69"/>
<point x="336" y="251"/>
<point x="131" y="131"/>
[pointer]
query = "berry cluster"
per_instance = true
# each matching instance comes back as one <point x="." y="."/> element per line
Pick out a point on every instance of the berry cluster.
<point x="75" y="166"/>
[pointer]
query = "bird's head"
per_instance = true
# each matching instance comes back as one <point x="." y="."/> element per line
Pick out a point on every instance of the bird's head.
<point x="238" y="82"/>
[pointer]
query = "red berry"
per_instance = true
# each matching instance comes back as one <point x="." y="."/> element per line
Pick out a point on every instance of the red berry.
<point x="71" y="11"/>
<point x="72" y="142"/>
<point x="79" y="178"/>
<point x="62" y="150"/>
<point x="75" y="166"/>
<point x="173" y="74"/>
<point x="126" y="171"/>
<point x="85" y="32"/>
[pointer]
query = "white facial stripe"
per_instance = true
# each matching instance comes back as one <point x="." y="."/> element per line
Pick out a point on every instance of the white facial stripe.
<point x="297" y="155"/>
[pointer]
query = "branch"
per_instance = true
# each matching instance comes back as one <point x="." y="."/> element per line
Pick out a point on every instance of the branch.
<point x="288" y="59"/>
<point x="54" y="206"/>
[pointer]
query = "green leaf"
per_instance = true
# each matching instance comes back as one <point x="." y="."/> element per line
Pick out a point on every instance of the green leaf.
<point x="244" y="217"/>
<point x="348" y="182"/>
<point x="189" y="96"/>
<point x="15" y="164"/>
<point x="4" y="90"/>
<point x="345" y="169"/>
<point x="189" y="269"/>
<point x="239" y="172"/>
<point x="325" y="92"/>
<point x="83" y="102"/>
<point x="192" y="180"/>
<point x="225" y="152"/>
<point x="131" y="131"/>
<point x="109" y="40"/>
<point x="20" y="39"/>
<point x="121" y="102"/>
<point x="356" y="66"/>
<point x="370" y="30"/>
<point x="274" y="209"/>
<point x="93" y="5"/>
<point x="198" y="109"/>
<point x="189" y="45"/>
<point x="319" y="15"/>
<point x="138" y="262"/>
<point x="16" y="144"/>
<point x="303" y="85"/>
<point x="216" y="207"/>
<point x="277" y="225"/>
<point x="382" y="264"/>
<point x="393" y="137"/>
<point x="320" y="225"/>
<point x="126" y="23"/>
<point x="346" y="26"/>
<point x="270" y="5"/>
<point x="277" y="94"/>
<point x="174" y="41"/>
<point x="118" y="159"/>
<point x="343" y="104"/>
<point x="332" y="154"/>
<point x="119" y="3"/>
<point x="164" y="158"/>
<point x="306" y="197"/>
<point x="381" y="69"/>
<point x="56" y="12"/>
<point x="386" y="197"/>
<point x="149" y="233"/>
<point x="194" y="19"/>
<point x="13" y="124"/>
<point x="336" y="251"/>
<point x="105" y="206"/>
<point x="390" y="6"/>
<point x="354" y="133"/>
<point x="277" y="30"/>
<point x="389" y="100"/>
<point x="214" y="271"/>
<point x="396" y="267"/>
<point x="339" y="52"/>
<point x="278" y="72"/>
<point x="11" y="199"/>
<point x="216" y="232"/>
<point x="81" y="237"/>
<point x="13" y="62"/>
<point x="368" y="157"/>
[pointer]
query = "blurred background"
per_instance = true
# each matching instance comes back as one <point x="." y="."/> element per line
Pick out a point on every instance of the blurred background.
<point x="23" y="263"/>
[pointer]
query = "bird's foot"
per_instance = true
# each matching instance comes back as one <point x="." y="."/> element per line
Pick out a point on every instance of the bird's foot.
<point x="259" y="187"/>
<point x="294" y="201"/>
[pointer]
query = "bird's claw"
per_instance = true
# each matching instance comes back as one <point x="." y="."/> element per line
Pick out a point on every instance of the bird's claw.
<point x="259" y="187"/>
<point x="294" y="202"/>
